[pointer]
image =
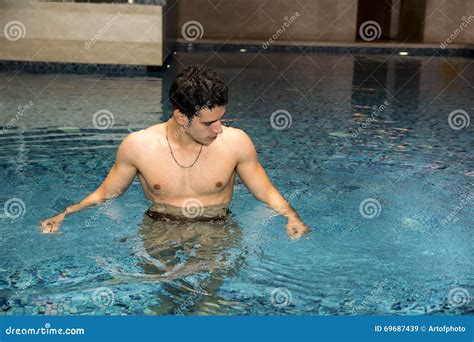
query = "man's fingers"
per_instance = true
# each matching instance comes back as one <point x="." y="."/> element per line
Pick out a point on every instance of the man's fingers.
<point x="48" y="227"/>
<point x="294" y="235"/>
<point x="297" y="231"/>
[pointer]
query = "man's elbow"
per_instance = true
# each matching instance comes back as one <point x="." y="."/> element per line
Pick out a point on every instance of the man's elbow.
<point x="101" y="195"/>
<point x="111" y="195"/>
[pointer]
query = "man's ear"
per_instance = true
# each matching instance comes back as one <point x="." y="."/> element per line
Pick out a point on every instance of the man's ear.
<point x="180" y="118"/>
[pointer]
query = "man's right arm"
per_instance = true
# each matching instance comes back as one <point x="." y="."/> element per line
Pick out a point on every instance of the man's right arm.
<point x="115" y="184"/>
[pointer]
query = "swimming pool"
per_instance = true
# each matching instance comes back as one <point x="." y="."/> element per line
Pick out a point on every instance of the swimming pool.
<point x="364" y="147"/>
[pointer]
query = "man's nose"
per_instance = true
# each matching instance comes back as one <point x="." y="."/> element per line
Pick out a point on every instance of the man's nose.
<point x="218" y="128"/>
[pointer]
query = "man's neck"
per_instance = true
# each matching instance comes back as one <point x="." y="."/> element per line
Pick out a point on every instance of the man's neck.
<point x="178" y="136"/>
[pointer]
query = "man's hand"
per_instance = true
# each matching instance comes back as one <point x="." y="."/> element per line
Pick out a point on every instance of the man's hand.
<point x="296" y="228"/>
<point x="52" y="224"/>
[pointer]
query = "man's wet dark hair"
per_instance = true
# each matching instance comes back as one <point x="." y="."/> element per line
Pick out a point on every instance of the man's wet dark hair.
<point x="195" y="88"/>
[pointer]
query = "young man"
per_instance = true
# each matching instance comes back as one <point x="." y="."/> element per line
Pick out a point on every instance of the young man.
<point x="187" y="166"/>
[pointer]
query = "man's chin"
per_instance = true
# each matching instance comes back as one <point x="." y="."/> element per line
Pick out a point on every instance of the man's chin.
<point x="208" y="141"/>
<point x="205" y="141"/>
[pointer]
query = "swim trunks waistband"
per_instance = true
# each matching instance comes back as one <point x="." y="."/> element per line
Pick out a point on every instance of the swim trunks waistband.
<point x="168" y="212"/>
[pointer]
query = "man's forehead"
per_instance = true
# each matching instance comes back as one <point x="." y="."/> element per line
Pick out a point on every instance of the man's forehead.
<point x="215" y="113"/>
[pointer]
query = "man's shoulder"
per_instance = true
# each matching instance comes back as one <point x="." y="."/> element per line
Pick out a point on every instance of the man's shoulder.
<point x="139" y="140"/>
<point x="238" y="141"/>
<point x="235" y="135"/>
<point x="145" y="135"/>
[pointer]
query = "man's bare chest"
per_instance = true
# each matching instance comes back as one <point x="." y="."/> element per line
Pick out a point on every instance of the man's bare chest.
<point x="163" y="177"/>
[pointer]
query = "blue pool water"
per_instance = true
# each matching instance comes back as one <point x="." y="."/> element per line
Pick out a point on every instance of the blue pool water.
<point x="387" y="191"/>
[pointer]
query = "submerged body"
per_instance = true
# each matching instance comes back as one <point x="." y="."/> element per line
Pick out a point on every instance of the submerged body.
<point x="206" y="247"/>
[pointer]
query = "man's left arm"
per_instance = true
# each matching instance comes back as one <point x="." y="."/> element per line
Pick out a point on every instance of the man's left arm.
<point x="254" y="177"/>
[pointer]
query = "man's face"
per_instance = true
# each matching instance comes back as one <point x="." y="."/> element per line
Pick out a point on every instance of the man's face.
<point x="207" y="126"/>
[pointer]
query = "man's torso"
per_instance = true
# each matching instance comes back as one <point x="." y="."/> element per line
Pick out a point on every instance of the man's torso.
<point x="210" y="180"/>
